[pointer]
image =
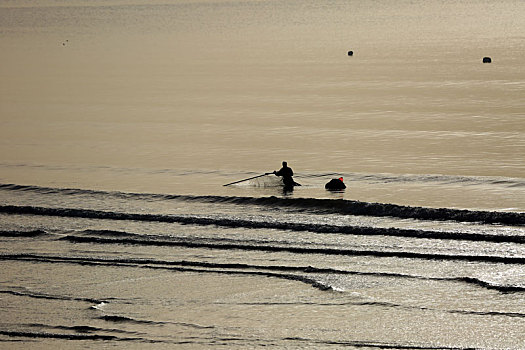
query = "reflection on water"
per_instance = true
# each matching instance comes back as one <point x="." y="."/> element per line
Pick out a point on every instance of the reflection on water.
<point x="241" y="86"/>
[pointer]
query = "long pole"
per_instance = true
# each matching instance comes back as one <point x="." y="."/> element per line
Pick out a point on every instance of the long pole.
<point x="250" y="178"/>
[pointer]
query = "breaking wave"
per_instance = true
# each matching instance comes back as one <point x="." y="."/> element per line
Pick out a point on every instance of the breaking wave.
<point x="305" y="274"/>
<point x="338" y="206"/>
<point x="239" y="223"/>
<point x="77" y="329"/>
<point x="38" y="295"/>
<point x="370" y="345"/>
<point x="196" y="243"/>
<point x="19" y="234"/>
<point x="75" y="336"/>
<point x="126" y="319"/>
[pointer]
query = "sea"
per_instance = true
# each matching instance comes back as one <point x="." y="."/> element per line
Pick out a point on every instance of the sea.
<point x="121" y="122"/>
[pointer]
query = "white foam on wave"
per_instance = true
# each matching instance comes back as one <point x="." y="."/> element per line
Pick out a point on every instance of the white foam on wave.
<point x="99" y="306"/>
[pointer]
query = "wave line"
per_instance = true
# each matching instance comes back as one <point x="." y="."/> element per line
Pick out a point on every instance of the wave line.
<point x="298" y="250"/>
<point x="277" y="270"/>
<point x="238" y="223"/>
<point x="338" y="206"/>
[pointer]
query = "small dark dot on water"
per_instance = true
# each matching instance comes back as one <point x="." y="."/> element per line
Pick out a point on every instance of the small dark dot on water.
<point x="487" y="60"/>
<point x="350" y="53"/>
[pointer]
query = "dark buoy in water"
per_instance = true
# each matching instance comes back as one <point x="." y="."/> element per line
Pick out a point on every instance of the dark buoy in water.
<point x="487" y="60"/>
<point x="350" y="53"/>
<point x="335" y="184"/>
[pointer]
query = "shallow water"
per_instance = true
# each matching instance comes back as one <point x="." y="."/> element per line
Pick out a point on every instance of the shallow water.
<point x="122" y="120"/>
<point x="198" y="271"/>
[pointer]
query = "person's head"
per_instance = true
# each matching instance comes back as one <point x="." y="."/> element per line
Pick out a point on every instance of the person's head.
<point x="341" y="179"/>
<point x="285" y="164"/>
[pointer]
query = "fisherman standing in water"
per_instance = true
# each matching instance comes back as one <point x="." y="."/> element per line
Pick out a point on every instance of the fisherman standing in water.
<point x="286" y="173"/>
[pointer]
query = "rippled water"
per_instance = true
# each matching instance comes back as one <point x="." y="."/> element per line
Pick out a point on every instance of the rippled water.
<point x="82" y="266"/>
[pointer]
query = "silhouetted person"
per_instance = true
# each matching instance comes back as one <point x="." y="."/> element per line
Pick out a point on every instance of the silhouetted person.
<point x="286" y="173"/>
<point x="335" y="184"/>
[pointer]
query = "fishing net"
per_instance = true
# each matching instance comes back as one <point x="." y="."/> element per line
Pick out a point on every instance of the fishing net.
<point x="266" y="181"/>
